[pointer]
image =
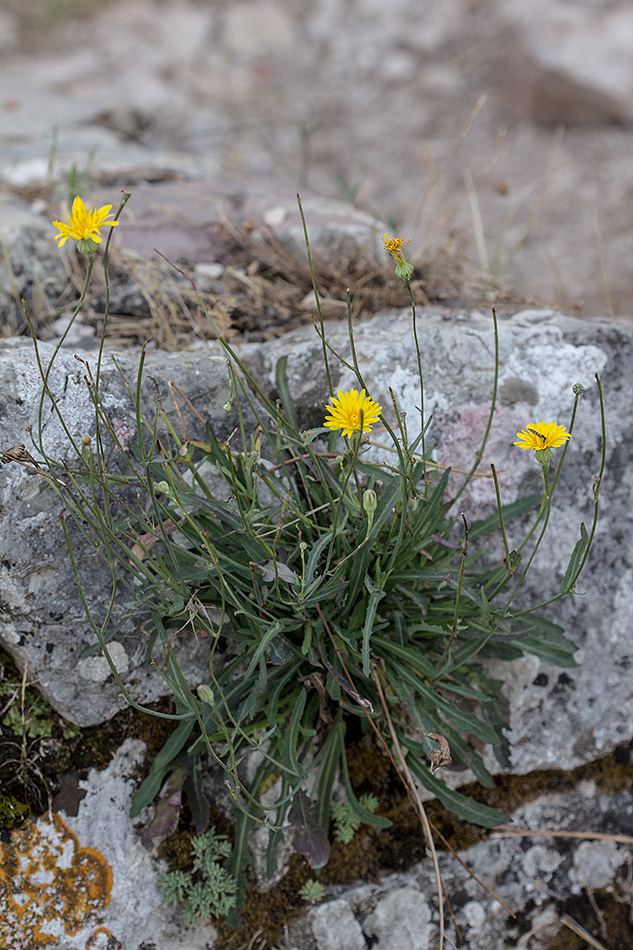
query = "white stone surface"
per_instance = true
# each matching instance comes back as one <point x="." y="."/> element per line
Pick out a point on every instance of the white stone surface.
<point x="335" y="928"/>
<point x="401" y="919"/>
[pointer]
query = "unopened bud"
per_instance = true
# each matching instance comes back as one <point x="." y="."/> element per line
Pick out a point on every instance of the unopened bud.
<point x="206" y="694"/>
<point x="370" y="503"/>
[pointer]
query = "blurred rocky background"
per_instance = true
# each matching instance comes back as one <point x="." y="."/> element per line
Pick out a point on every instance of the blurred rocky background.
<point x="494" y="132"/>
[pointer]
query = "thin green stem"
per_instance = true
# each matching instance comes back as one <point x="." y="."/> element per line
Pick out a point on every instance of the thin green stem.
<point x="420" y="375"/>
<point x="352" y="463"/>
<point x="501" y="524"/>
<point x="493" y="403"/>
<point x="316" y="294"/>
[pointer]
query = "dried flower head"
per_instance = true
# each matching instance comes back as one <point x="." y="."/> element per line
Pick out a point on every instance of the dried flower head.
<point x="542" y="435"/>
<point x="394" y="245"/>
<point x="84" y="224"/>
<point x="352" y="411"/>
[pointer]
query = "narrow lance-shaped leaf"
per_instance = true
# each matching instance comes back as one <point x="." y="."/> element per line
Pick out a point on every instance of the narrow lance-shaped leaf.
<point x="574" y="561"/>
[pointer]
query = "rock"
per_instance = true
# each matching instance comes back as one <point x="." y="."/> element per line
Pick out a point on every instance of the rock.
<point x="28" y="269"/>
<point x="43" y="622"/>
<point x="402" y="918"/>
<point x="559" y="719"/>
<point x="86" y="881"/>
<point x="335" y="928"/>
<point x="538" y="877"/>
<point x="570" y="62"/>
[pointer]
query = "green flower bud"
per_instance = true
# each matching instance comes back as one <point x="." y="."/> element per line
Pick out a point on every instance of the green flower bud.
<point x="370" y="503"/>
<point x="206" y="694"/>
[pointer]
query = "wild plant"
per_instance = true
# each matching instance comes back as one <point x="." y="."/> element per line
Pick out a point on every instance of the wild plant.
<point x="340" y="593"/>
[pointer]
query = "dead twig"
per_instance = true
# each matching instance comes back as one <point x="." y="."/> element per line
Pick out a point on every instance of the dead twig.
<point x="506" y="831"/>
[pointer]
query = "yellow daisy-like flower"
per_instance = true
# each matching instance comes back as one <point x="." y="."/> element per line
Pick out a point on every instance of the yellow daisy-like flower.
<point x="350" y="410"/>
<point x="542" y="435"/>
<point x="83" y="223"/>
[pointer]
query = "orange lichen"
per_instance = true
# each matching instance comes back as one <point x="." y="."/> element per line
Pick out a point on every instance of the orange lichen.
<point x="50" y="886"/>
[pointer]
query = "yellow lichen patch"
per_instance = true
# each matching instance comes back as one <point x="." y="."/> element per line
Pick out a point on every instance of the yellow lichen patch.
<point x="51" y="887"/>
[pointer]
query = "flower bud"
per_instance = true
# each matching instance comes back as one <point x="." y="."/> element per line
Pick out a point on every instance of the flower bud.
<point x="206" y="694"/>
<point x="370" y="503"/>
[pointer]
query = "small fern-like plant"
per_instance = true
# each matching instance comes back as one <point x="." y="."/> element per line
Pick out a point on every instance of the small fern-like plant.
<point x="208" y="890"/>
<point x="347" y="821"/>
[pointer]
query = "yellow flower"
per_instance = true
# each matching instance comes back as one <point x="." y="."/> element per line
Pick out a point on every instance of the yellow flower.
<point x="542" y="435"/>
<point x="350" y="410"/>
<point x="394" y="246"/>
<point x="83" y="223"/>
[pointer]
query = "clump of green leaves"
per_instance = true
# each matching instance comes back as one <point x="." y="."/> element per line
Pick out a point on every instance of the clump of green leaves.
<point x="346" y="819"/>
<point x="208" y="890"/>
<point x="26" y="713"/>
<point x="312" y="891"/>
<point x="338" y="592"/>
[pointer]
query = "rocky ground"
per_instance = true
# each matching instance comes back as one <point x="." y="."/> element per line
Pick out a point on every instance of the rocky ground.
<point x="496" y="136"/>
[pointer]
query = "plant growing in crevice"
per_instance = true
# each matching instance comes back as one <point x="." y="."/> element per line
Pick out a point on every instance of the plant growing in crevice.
<point x="335" y="587"/>
<point x="312" y="891"/>
<point x="347" y="821"/>
<point x="208" y="890"/>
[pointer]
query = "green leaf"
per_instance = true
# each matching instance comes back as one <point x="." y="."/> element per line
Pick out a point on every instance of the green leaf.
<point x="574" y="562"/>
<point x="548" y="652"/>
<point x="461" y="656"/>
<point x="427" y="520"/>
<point x="269" y="634"/>
<point x="150" y="788"/>
<point x="330" y="757"/>
<point x="375" y="597"/>
<point x="468" y="722"/>
<point x="460" y="805"/>
<point x="487" y="525"/>
<point x="281" y="382"/>
<point x="289" y="752"/>
<point x="313" y="557"/>
<point x="408" y="654"/>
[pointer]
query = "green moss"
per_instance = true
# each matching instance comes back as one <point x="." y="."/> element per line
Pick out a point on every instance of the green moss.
<point x="12" y="812"/>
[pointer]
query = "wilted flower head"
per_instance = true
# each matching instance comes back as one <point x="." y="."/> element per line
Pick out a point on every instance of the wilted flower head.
<point x="542" y="435"/>
<point x="394" y="245"/>
<point x="84" y="226"/>
<point x="351" y="411"/>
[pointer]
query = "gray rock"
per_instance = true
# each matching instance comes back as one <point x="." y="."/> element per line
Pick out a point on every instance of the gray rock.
<point x="335" y="928"/>
<point x="402" y="918"/>
<point x="28" y="269"/>
<point x="571" y="62"/>
<point x="559" y="719"/>
<point x="43" y="622"/>
<point x="535" y="876"/>
<point x="99" y="879"/>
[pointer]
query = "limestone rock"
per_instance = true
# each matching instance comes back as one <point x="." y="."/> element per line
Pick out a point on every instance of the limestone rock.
<point x="570" y="62"/>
